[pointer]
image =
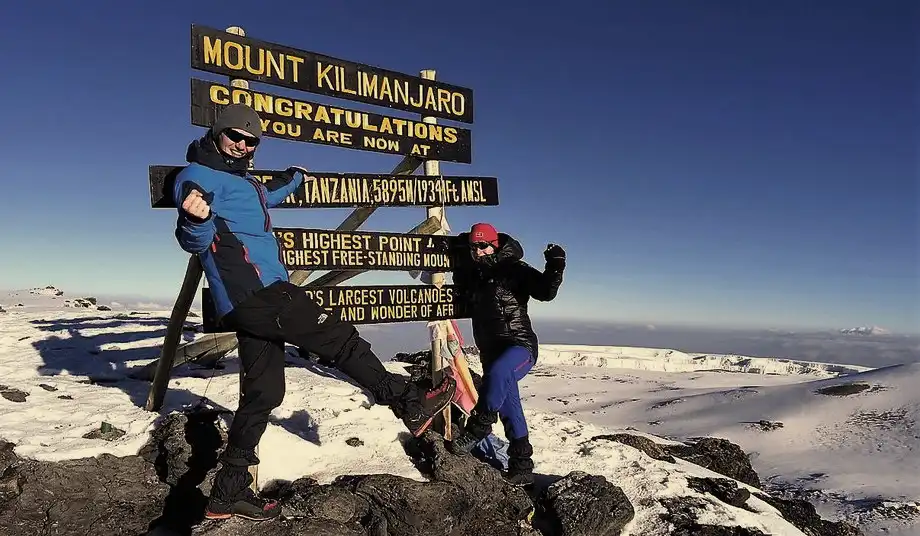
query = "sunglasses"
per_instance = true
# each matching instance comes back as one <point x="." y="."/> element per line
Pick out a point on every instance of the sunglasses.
<point x="237" y="137"/>
<point x="481" y="245"/>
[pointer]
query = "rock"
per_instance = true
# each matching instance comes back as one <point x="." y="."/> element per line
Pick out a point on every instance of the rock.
<point x="766" y="426"/>
<point x="105" y="431"/>
<point x="587" y="505"/>
<point x="491" y="505"/>
<point x="47" y="387"/>
<point x="719" y="455"/>
<point x="724" y="489"/>
<point x="845" y="389"/>
<point x="354" y="442"/>
<point x="184" y="449"/>
<point x="2" y="310"/>
<point x="683" y="515"/>
<point x="103" y="308"/>
<point x="13" y="395"/>
<point x="803" y="515"/>
<point x="646" y="445"/>
<point x="84" y="303"/>
<point x="102" y="495"/>
<point x="277" y="527"/>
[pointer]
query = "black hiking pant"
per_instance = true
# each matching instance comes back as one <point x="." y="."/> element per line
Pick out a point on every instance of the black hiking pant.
<point x="278" y="314"/>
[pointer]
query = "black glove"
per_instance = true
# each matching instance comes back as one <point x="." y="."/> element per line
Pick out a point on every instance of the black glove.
<point x="289" y="173"/>
<point x="555" y="256"/>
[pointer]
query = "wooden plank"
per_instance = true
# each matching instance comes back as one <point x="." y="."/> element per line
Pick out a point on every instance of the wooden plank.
<point x="336" y="277"/>
<point x="300" y="120"/>
<point x="377" y="304"/>
<point x="325" y="189"/>
<point x="220" y="52"/>
<point x="323" y="249"/>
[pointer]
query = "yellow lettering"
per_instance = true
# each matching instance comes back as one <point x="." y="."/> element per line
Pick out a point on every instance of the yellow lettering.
<point x="382" y="144"/>
<point x="290" y="112"/>
<point x="322" y="75"/>
<point x="253" y="60"/>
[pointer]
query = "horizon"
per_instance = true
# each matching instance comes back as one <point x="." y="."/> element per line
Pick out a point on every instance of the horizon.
<point x="712" y="167"/>
<point x="557" y="325"/>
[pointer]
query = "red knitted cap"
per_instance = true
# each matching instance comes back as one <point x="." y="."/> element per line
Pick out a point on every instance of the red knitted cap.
<point x="483" y="232"/>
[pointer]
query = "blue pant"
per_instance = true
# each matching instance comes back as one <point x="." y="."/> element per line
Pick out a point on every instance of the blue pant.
<point x="500" y="389"/>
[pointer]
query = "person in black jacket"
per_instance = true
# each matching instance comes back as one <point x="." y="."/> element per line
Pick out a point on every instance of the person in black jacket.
<point x="497" y="283"/>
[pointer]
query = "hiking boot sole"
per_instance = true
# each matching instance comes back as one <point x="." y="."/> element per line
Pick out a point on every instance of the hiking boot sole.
<point x="421" y="430"/>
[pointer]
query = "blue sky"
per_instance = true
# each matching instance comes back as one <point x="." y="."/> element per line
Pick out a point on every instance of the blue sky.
<point x="712" y="164"/>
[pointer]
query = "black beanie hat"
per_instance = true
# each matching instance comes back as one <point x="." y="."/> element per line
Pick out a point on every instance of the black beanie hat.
<point x="238" y="116"/>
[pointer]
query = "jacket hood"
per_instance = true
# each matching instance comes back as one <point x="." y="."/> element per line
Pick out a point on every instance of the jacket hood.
<point x="204" y="151"/>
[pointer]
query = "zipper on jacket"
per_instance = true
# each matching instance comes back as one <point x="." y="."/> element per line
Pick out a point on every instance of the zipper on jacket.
<point x="263" y="202"/>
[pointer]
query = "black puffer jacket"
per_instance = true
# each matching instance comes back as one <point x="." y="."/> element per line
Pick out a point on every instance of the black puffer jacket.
<point x="498" y="291"/>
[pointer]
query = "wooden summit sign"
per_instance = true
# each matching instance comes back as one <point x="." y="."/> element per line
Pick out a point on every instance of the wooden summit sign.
<point x="346" y="190"/>
<point x="320" y="249"/>
<point x="373" y="304"/>
<point x="220" y="52"/>
<point x="306" y="121"/>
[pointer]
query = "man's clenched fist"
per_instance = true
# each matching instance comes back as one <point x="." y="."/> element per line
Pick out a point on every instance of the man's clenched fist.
<point x="195" y="205"/>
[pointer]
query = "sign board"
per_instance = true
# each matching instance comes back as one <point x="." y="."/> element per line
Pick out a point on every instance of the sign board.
<point x="223" y="53"/>
<point x="306" y="121"/>
<point x="373" y="304"/>
<point x="321" y="249"/>
<point x="346" y="190"/>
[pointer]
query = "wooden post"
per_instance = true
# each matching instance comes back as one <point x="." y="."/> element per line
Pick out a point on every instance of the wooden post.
<point x="180" y="310"/>
<point x="437" y="328"/>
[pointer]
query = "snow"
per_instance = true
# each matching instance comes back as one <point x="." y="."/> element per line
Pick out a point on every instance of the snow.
<point x="854" y="456"/>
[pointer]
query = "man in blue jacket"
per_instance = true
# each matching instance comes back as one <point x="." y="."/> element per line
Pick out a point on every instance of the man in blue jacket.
<point x="223" y="218"/>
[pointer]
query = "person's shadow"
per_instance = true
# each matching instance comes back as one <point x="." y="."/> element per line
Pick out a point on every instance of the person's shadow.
<point x="103" y="351"/>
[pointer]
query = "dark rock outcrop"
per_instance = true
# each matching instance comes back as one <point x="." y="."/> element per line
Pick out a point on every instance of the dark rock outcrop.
<point x="724" y="489"/>
<point x="105" y="495"/>
<point x="682" y="513"/>
<point x="654" y="450"/>
<point x="803" y="515"/>
<point x="586" y="505"/>
<point x="844" y="389"/>
<point x="718" y="455"/>
<point x="163" y="492"/>
<point x="12" y="394"/>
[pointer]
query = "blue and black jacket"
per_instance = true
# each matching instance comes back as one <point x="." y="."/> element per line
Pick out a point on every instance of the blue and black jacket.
<point x="236" y="246"/>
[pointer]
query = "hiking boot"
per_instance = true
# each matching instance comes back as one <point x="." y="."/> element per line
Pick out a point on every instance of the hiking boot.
<point x="248" y="505"/>
<point x="417" y="412"/>
<point x="464" y="442"/>
<point x="520" y="462"/>
<point x="478" y="427"/>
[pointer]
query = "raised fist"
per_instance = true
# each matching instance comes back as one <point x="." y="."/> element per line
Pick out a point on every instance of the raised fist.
<point x="554" y="255"/>
<point x="294" y="169"/>
<point x="195" y="205"/>
<point x="554" y="251"/>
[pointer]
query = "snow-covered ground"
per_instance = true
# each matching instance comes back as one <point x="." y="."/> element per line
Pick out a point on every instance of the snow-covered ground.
<point x="853" y="454"/>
